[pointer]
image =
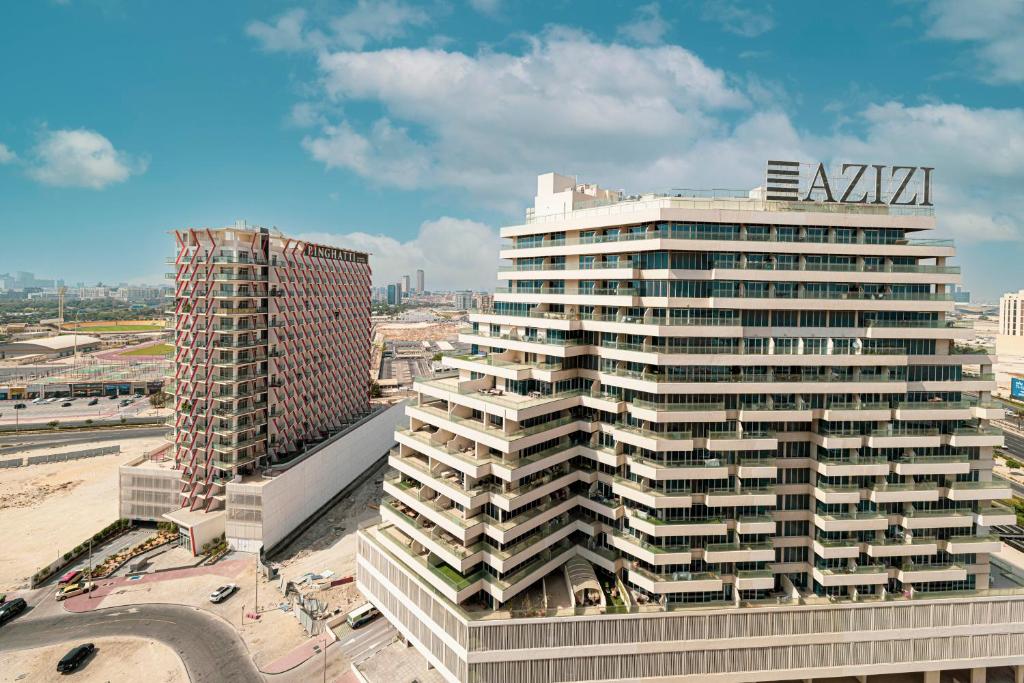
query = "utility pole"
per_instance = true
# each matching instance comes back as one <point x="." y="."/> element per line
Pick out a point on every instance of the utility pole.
<point x="89" y="592"/>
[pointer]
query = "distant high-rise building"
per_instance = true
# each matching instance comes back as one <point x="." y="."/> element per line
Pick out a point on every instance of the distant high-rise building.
<point x="420" y="278"/>
<point x="406" y="285"/>
<point x="394" y="294"/>
<point x="1011" y="314"/>
<point x="961" y="295"/>
<point x="483" y="301"/>
<point x="463" y="300"/>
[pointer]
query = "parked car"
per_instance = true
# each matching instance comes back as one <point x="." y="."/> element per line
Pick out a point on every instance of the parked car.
<point x="37" y="401"/>
<point x="11" y="609"/>
<point x="137" y="396"/>
<point x="75" y="657"/>
<point x="20" y="406"/>
<point x="70" y="577"/>
<point x="126" y="402"/>
<point x="113" y="397"/>
<point x="65" y="404"/>
<point x="73" y="589"/>
<point x="93" y="402"/>
<point x="223" y="593"/>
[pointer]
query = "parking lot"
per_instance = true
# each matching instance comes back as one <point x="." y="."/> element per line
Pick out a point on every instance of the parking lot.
<point x="80" y="409"/>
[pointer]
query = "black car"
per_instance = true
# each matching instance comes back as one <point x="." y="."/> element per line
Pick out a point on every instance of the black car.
<point x="65" y="404"/>
<point x="93" y="402"/>
<point x="73" y="659"/>
<point x="20" y="406"/>
<point x="12" y="608"/>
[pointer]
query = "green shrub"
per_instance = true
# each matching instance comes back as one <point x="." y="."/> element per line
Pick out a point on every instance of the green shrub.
<point x="52" y="424"/>
<point x="67" y="556"/>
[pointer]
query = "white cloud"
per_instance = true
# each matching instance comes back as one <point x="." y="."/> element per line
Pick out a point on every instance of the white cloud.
<point x="487" y="122"/>
<point x="368" y="21"/>
<point x="7" y="155"/>
<point x="286" y="34"/>
<point x="978" y="155"/>
<point x="648" y="27"/>
<point x="733" y="18"/>
<point x="491" y="7"/>
<point x="993" y="26"/>
<point x="387" y="155"/>
<point x="81" y="158"/>
<point x="454" y="253"/>
<point x="376" y="21"/>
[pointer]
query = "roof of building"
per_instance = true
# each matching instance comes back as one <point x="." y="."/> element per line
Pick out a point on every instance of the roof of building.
<point x="61" y="341"/>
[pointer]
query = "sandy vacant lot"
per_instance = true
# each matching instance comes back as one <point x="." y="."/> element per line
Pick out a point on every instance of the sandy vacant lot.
<point x="331" y="543"/>
<point x="52" y="508"/>
<point x="113" y="659"/>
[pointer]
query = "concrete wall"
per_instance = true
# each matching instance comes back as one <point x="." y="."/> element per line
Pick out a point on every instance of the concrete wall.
<point x="265" y="512"/>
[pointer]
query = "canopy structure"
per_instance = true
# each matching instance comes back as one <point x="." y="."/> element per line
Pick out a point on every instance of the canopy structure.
<point x="586" y="589"/>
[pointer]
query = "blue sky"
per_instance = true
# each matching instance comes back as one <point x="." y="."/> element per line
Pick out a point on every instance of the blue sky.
<point x="414" y="130"/>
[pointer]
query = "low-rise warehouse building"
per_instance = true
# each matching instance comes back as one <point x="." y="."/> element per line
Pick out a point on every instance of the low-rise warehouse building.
<point x="60" y="346"/>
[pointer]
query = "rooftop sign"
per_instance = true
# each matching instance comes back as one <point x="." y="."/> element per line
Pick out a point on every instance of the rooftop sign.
<point x="322" y="251"/>
<point x="793" y="181"/>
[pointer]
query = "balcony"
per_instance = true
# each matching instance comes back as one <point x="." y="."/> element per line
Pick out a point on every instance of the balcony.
<point x="904" y="438"/>
<point x="649" y="552"/>
<point x="932" y="464"/>
<point x="755" y="524"/>
<point x="907" y="492"/>
<point x="902" y="547"/>
<point x="936" y="519"/>
<point x="963" y="437"/>
<point x="995" y="515"/>
<point x="739" y="552"/>
<point x="927" y="573"/>
<point x="659" y="470"/>
<point x="651" y="497"/>
<point x="660" y="528"/>
<point x="741" y="497"/>
<point x="853" y="466"/>
<point x="966" y="545"/>
<point x="853" y="575"/>
<point x="833" y="494"/>
<point x="834" y="549"/>
<point x="851" y="521"/>
<point x="674" y="582"/>
<point x="746" y="440"/>
<point x="755" y="579"/>
<point x="979" y="490"/>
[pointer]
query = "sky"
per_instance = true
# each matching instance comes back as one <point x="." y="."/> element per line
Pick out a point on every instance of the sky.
<point x="414" y="130"/>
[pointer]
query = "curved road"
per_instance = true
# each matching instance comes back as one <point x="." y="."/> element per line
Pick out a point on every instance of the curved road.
<point x="209" y="648"/>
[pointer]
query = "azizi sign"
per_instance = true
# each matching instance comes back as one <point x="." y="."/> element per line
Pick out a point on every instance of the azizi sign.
<point x="793" y="181"/>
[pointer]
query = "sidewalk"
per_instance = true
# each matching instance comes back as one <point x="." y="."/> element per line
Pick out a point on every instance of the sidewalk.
<point x="88" y="602"/>
<point x="313" y="646"/>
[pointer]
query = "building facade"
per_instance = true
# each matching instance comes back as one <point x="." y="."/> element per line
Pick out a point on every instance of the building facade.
<point x="723" y="407"/>
<point x="1011" y="314"/>
<point x="271" y="352"/>
<point x="420" y="281"/>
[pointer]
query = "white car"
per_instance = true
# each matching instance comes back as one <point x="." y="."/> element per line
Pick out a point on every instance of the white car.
<point x="37" y="401"/>
<point x="223" y="593"/>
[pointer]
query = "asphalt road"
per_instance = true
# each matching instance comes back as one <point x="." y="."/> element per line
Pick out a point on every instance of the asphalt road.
<point x="34" y="441"/>
<point x="351" y="646"/>
<point x="209" y="648"/>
